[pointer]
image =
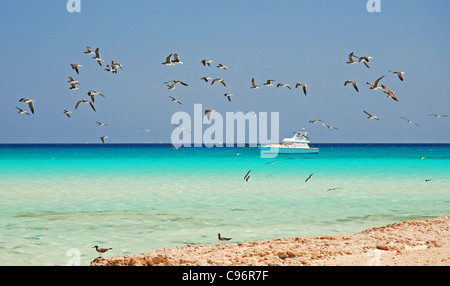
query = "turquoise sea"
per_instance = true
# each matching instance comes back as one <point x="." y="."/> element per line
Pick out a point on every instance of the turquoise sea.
<point x="136" y="198"/>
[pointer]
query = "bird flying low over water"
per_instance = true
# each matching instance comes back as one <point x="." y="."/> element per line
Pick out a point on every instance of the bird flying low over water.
<point x="85" y="101"/>
<point x="399" y="74"/>
<point x="22" y="111"/>
<point x="302" y="85"/>
<point x="76" y="67"/>
<point x="389" y="93"/>
<point x="103" y="138"/>
<point x="228" y="95"/>
<point x="98" y="57"/>
<point x="247" y="176"/>
<point x="332" y="189"/>
<point x="375" y="85"/>
<point x="254" y="86"/>
<point x="175" y="100"/>
<point x="307" y="179"/>
<point x="371" y="116"/>
<point x="206" y="62"/>
<point x="409" y="121"/>
<point x="30" y="103"/>
<point x="67" y="112"/>
<point x="219" y="79"/>
<point x="353" y="83"/>
<point x="175" y="148"/>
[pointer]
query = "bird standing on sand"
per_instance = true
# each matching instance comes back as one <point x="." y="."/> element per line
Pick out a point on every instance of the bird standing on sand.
<point x="101" y="250"/>
<point x="222" y="239"/>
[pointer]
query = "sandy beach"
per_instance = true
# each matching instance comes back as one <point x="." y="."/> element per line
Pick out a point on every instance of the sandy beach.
<point x="408" y="243"/>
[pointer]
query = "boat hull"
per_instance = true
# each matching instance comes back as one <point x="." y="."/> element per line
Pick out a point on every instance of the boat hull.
<point x="286" y="150"/>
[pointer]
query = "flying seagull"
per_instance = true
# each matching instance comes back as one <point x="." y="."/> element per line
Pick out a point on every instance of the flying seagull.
<point x="30" y="103"/>
<point x="115" y="65"/>
<point x="176" y="148"/>
<point x="182" y="128"/>
<point x="206" y="62"/>
<point x="93" y="93"/>
<point x="255" y="114"/>
<point x="375" y="85"/>
<point x="67" y="112"/>
<point x="98" y="57"/>
<point x="76" y="67"/>
<point x="206" y="79"/>
<point x="175" y="100"/>
<point x="228" y="95"/>
<point x="176" y="59"/>
<point x="73" y="81"/>
<point x="168" y="62"/>
<point x="221" y="66"/>
<point x="365" y="60"/>
<point x="223" y="239"/>
<point x="328" y="126"/>
<point x="85" y="101"/>
<point x="269" y="82"/>
<point x="332" y="189"/>
<point x="208" y="113"/>
<point x="302" y="85"/>
<point x="350" y="59"/>
<point x="22" y="111"/>
<point x="103" y="138"/>
<point x="219" y="79"/>
<point x="254" y="86"/>
<point x="399" y="74"/>
<point x="307" y="179"/>
<point x="315" y="121"/>
<point x="73" y="86"/>
<point x="283" y="85"/>
<point x="389" y="93"/>
<point x="88" y="51"/>
<point x="409" y="121"/>
<point x="371" y="116"/>
<point x="176" y="81"/>
<point x="353" y="83"/>
<point x="101" y="123"/>
<point x="101" y="250"/>
<point x="438" y="115"/>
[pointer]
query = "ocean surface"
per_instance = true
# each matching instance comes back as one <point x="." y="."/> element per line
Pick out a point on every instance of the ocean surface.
<point x="58" y="201"/>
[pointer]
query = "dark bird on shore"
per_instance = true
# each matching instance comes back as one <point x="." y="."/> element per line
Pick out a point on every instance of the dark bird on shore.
<point x="307" y="179"/>
<point x="101" y="250"/>
<point x="353" y="83"/>
<point x="30" y="103"/>
<point x="85" y="101"/>
<point x="222" y="239"/>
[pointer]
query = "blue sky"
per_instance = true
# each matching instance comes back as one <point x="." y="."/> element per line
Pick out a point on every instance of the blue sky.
<point x="288" y="41"/>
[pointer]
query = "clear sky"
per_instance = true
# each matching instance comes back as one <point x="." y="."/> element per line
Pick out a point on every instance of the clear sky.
<point x="287" y="41"/>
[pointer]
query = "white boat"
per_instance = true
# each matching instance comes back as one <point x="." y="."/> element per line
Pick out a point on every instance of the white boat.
<point x="298" y="144"/>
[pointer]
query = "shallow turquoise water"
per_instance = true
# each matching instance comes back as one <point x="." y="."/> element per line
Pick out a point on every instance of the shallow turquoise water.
<point x="137" y="198"/>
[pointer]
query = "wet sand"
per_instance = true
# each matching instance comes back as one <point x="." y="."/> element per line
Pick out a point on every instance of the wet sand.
<point x="410" y="243"/>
